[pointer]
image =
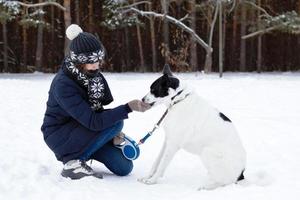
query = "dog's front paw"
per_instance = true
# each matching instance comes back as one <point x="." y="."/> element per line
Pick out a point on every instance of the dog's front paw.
<point x="148" y="181"/>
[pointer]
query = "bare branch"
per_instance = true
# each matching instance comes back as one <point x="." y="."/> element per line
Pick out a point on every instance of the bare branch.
<point x="176" y="22"/>
<point x="136" y="4"/>
<point x="213" y="24"/>
<point x="41" y="4"/>
<point x="258" y="8"/>
<point x="184" y="18"/>
<point x="201" y="5"/>
<point x="260" y="32"/>
<point x="233" y="6"/>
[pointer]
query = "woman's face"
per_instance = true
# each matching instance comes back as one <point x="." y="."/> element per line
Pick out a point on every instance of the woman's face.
<point x="93" y="66"/>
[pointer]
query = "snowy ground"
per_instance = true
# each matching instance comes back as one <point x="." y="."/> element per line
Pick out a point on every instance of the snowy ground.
<point x="265" y="109"/>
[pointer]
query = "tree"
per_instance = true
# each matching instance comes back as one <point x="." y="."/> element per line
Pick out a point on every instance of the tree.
<point x="91" y="15"/>
<point x="140" y="44"/>
<point x="115" y="20"/>
<point x="221" y="7"/>
<point x="259" y="43"/>
<point x="165" y="8"/>
<point x="208" y="59"/>
<point x="39" y="49"/>
<point x="287" y="22"/>
<point x="220" y="38"/>
<point x="193" y="46"/>
<point x="153" y="41"/>
<point x="172" y="20"/>
<point x="68" y="21"/>
<point x="8" y="11"/>
<point x="243" y="42"/>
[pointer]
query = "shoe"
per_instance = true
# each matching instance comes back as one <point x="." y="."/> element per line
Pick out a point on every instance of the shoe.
<point x="77" y="169"/>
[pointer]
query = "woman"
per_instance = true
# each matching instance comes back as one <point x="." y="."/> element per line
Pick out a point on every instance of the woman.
<point x="76" y="127"/>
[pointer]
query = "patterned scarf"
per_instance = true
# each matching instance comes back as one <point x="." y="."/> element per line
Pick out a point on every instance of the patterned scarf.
<point x="95" y="84"/>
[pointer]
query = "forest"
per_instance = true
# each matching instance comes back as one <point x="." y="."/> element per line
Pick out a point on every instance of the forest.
<point x="141" y="36"/>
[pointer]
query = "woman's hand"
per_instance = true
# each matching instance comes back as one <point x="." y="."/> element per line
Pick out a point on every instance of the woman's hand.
<point x="138" y="105"/>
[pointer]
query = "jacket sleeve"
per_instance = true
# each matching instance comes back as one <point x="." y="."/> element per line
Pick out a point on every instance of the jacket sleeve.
<point x="69" y="98"/>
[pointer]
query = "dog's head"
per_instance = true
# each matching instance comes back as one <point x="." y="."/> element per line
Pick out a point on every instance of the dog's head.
<point x="163" y="89"/>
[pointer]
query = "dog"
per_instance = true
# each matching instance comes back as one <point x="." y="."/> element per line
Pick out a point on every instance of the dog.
<point x="194" y="125"/>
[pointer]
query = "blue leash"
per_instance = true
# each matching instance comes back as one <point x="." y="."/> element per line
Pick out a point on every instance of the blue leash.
<point x="131" y="149"/>
<point x="155" y="127"/>
<point x="161" y="119"/>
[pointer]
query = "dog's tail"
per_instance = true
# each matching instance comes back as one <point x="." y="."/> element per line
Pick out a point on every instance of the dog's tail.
<point x="241" y="177"/>
<point x="260" y="178"/>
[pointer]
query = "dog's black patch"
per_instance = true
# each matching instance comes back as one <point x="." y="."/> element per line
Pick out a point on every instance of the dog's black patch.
<point x="224" y="117"/>
<point x="241" y="177"/>
<point x="160" y="87"/>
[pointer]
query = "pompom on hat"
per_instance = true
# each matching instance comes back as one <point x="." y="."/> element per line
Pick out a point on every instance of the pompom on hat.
<point x="84" y="47"/>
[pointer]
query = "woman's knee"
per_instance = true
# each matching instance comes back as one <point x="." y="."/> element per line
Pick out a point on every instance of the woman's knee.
<point x="124" y="169"/>
<point x="119" y="126"/>
<point x="113" y="159"/>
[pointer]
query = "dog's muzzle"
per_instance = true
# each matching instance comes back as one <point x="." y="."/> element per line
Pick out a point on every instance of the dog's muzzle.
<point x="144" y="100"/>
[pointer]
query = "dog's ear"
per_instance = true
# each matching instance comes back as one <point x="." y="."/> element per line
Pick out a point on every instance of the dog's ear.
<point x="167" y="70"/>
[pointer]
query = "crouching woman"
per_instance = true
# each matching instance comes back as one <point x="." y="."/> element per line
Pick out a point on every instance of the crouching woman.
<point x="76" y="127"/>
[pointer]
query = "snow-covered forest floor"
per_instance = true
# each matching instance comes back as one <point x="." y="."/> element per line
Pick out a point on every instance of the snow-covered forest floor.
<point x="265" y="108"/>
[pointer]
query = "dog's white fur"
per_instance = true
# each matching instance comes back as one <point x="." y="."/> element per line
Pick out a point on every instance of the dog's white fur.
<point x="195" y="126"/>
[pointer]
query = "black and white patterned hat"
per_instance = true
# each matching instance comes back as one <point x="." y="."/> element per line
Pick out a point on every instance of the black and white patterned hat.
<point x="84" y="47"/>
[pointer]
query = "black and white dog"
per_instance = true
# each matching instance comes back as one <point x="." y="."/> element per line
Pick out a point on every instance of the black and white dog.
<point x="199" y="128"/>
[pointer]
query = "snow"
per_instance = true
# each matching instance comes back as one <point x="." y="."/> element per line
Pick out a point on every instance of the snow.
<point x="12" y="6"/>
<point x="264" y="107"/>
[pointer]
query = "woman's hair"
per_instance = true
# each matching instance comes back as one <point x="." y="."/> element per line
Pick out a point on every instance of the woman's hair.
<point x="80" y="67"/>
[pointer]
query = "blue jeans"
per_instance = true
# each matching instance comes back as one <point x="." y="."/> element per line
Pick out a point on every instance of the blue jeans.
<point x="105" y="152"/>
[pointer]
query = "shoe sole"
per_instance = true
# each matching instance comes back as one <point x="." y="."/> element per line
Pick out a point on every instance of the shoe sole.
<point x="71" y="175"/>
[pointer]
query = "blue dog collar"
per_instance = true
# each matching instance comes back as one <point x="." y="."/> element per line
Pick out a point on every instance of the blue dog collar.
<point x="130" y="149"/>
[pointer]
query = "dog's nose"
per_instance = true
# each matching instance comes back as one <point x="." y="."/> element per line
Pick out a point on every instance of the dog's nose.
<point x="143" y="99"/>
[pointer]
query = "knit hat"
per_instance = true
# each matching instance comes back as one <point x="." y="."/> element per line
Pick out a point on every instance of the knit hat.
<point x="84" y="47"/>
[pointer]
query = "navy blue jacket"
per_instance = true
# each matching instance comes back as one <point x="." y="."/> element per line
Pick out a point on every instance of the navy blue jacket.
<point x="70" y="125"/>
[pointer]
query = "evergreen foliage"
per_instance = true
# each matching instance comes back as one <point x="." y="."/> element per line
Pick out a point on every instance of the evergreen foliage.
<point x="114" y="19"/>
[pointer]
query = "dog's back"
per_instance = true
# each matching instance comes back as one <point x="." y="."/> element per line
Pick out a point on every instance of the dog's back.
<point x="201" y="129"/>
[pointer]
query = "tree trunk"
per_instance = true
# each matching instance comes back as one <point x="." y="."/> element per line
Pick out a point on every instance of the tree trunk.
<point x="141" y="52"/>
<point x="220" y="40"/>
<point x="208" y="59"/>
<point x="77" y="12"/>
<point x="233" y="62"/>
<point x="153" y="42"/>
<point x="138" y="31"/>
<point x="25" y="41"/>
<point x="39" y="49"/>
<point x="193" y="49"/>
<point x="67" y="20"/>
<point x="127" y="46"/>
<point x="224" y="38"/>
<point x="5" y="47"/>
<point x="259" y="43"/>
<point x="91" y="16"/>
<point x="243" y="42"/>
<point x="51" y="61"/>
<point x="298" y="38"/>
<point x="165" y="7"/>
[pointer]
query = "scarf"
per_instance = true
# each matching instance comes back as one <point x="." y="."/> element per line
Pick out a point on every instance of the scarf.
<point x="94" y="83"/>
